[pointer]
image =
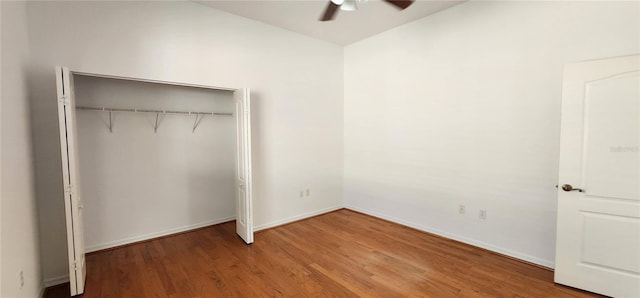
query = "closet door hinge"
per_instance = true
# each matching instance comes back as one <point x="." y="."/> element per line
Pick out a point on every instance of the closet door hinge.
<point x="75" y="265"/>
<point x="68" y="190"/>
<point x="64" y="100"/>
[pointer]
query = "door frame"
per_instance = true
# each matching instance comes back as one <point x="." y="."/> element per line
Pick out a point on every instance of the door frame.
<point x="182" y="84"/>
<point x="247" y="129"/>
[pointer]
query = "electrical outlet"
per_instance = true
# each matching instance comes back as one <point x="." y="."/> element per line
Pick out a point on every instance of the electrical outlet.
<point x="308" y="192"/>
<point x="21" y="279"/>
<point x="302" y="193"/>
<point x="483" y="214"/>
<point x="462" y="209"/>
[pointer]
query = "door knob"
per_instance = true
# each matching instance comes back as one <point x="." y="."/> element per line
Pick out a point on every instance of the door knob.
<point x="568" y="187"/>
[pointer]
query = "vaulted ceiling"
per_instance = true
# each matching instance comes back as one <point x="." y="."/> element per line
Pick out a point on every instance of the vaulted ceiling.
<point x="302" y="16"/>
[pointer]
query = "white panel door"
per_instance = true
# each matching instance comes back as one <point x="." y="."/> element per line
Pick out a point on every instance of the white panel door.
<point x="598" y="224"/>
<point x="71" y="180"/>
<point x="244" y="217"/>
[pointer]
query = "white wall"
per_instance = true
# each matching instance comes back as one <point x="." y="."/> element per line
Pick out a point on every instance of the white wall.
<point x="19" y="220"/>
<point x="139" y="184"/>
<point x="463" y="107"/>
<point x="296" y="83"/>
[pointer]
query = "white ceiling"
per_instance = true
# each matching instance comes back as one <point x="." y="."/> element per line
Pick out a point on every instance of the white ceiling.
<point x="302" y="16"/>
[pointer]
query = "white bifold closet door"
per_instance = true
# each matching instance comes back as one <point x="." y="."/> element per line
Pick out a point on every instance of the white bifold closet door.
<point x="71" y="180"/>
<point x="244" y="218"/>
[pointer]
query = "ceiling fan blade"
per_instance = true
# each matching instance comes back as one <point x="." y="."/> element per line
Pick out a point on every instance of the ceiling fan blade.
<point x="330" y="12"/>
<point x="400" y="4"/>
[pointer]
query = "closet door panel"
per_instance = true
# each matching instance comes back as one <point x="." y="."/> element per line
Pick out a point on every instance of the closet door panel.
<point x="71" y="179"/>
<point x="244" y="218"/>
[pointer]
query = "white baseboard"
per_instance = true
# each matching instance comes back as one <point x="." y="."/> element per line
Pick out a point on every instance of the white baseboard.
<point x="54" y="281"/>
<point x="514" y="254"/>
<point x="119" y="242"/>
<point x="295" y="218"/>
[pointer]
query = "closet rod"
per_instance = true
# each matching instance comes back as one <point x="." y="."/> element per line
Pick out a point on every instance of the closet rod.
<point x="152" y="111"/>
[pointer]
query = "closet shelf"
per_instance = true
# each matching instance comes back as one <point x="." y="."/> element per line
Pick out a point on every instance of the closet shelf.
<point x="153" y="111"/>
<point x="199" y="115"/>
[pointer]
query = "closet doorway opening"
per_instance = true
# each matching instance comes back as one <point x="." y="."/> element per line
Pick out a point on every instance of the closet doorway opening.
<point x="143" y="159"/>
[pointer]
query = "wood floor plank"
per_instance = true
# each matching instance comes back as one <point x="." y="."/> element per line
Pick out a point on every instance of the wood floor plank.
<point x="338" y="254"/>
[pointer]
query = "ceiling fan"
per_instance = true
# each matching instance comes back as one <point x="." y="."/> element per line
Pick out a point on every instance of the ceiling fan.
<point x="350" y="5"/>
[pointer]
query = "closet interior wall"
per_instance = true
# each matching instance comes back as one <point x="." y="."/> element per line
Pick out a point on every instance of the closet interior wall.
<point x="139" y="182"/>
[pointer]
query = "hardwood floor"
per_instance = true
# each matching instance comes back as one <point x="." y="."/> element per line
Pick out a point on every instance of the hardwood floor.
<point x="339" y="254"/>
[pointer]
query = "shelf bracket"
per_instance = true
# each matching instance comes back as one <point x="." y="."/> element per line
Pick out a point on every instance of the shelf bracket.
<point x="197" y="121"/>
<point x="110" y="122"/>
<point x="155" y="127"/>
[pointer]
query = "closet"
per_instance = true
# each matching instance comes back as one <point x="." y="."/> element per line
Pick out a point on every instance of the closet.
<point x="142" y="159"/>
